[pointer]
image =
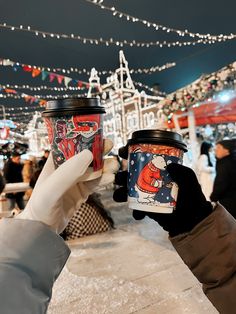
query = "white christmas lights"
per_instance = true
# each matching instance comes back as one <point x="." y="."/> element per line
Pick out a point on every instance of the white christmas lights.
<point x="157" y="27"/>
<point x="148" y="88"/>
<point x="8" y="62"/>
<point x="121" y="43"/>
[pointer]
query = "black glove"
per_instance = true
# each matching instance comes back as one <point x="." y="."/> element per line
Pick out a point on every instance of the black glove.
<point x="191" y="207"/>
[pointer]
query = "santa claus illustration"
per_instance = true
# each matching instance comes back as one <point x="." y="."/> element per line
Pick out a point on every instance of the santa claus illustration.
<point x="150" y="180"/>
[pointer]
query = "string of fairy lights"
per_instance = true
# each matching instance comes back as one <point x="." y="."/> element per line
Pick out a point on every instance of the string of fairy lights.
<point x="9" y="95"/>
<point x="196" y="39"/>
<point x="62" y="89"/>
<point x="114" y="42"/>
<point x="157" y="26"/>
<point x="153" y="69"/>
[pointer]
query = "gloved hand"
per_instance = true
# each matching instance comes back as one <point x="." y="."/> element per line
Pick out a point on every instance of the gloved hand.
<point x="191" y="207"/>
<point x="59" y="193"/>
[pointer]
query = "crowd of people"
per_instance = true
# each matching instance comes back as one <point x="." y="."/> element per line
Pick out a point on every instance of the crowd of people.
<point x="202" y="228"/>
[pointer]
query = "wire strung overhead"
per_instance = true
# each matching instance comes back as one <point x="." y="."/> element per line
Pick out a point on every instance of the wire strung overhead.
<point x="157" y="26"/>
<point x="115" y="42"/>
<point x="153" y="69"/>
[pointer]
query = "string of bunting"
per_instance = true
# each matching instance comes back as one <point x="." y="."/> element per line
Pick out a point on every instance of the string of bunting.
<point x="7" y="108"/>
<point x="115" y="42"/>
<point x="60" y="89"/>
<point x="28" y="98"/>
<point x="206" y="87"/>
<point x="150" y="70"/>
<point x="35" y="72"/>
<point x="157" y="26"/>
<point x="41" y="88"/>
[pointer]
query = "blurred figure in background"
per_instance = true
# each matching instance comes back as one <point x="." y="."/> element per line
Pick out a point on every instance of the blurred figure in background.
<point x="206" y="168"/>
<point x="224" y="189"/>
<point x="27" y="173"/>
<point x="2" y="182"/>
<point x="38" y="168"/>
<point x="43" y="160"/>
<point x="13" y="173"/>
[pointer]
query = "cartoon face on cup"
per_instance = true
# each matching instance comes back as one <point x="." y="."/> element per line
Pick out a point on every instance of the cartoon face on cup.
<point x="150" y="187"/>
<point x="74" y="125"/>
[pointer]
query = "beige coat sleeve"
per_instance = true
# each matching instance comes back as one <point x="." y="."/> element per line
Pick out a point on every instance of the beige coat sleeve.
<point x="209" y="250"/>
<point x="31" y="258"/>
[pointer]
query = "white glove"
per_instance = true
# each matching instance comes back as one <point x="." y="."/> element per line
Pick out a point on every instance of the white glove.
<point x="59" y="193"/>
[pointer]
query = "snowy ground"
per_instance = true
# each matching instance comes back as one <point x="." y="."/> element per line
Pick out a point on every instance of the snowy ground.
<point x="132" y="269"/>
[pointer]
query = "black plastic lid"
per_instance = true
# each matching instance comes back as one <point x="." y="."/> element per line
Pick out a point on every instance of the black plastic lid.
<point x="154" y="136"/>
<point x="66" y="106"/>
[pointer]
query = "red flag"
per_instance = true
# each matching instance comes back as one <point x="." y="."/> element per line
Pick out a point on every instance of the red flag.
<point x="11" y="91"/>
<point x="60" y="78"/>
<point x="80" y="84"/>
<point x="27" y="68"/>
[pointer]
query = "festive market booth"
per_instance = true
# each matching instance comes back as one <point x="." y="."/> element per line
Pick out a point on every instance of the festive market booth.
<point x="212" y="99"/>
<point x="206" y="107"/>
<point x="211" y="112"/>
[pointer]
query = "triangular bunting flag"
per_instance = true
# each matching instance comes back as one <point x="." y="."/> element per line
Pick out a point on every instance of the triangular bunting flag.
<point x="27" y="68"/>
<point x="67" y="80"/>
<point x="42" y="102"/>
<point x="80" y="84"/>
<point x="52" y="77"/>
<point x="7" y="62"/>
<point x="10" y="91"/>
<point x="35" y="72"/>
<point x="60" y="78"/>
<point x="27" y="98"/>
<point x="44" y="75"/>
<point x="32" y="99"/>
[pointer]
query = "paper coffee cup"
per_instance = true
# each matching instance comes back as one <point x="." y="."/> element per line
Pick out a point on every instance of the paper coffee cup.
<point x="75" y="124"/>
<point x="150" y="187"/>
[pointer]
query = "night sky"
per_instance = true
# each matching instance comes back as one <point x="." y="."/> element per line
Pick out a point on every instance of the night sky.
<point x="85" y="19"/>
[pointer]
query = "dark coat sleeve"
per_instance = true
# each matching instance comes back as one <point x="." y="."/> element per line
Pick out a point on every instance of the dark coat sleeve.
<point x="31" y="258"/>
<point x="222" y="181"/>
<point x="2" y="183"/>
<point x="7" y="172"/>
<point x="209" y="251"/>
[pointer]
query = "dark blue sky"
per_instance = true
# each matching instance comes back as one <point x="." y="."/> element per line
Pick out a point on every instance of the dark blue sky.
<point x="81" y="17"/>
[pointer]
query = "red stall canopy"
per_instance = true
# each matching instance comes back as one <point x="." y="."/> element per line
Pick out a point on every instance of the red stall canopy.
<point x="211" y="112"/>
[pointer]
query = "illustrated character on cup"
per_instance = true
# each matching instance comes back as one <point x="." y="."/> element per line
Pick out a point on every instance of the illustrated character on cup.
<point x="90" y="136"/>
<point x="64" y="142"/>
<point x="150" y="180"/>
<point x="87" y="131"/>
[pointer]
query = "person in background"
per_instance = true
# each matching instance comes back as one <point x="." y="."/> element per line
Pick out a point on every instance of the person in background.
<point x="13" y="173"/>
<point x="224" y="188"/>
<point x="43" y="160"/>
<point x="206" y="169"/>
<point x="27" y="173"/>
<point x="2" y="183"/>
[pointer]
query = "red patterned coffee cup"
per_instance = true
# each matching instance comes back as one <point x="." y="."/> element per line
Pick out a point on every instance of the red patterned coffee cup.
<point x="75" y="124"/>
<point x="150" y="187"/>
